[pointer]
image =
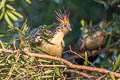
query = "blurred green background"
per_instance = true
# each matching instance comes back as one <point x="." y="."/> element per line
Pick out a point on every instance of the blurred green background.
<point x="41" y="12"/>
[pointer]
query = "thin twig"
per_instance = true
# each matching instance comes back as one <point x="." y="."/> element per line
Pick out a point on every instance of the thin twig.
<point x="52" y="65"/>
<point x="80" y="73"/>
<point x="79" y="55"/>
<point x="14" y="41"/>
<point x="114" y="44"/>
<point x="13" y="67"/>
<point x="10" y="51"/>
<point x="101" y="77"/>
<point x="2" y="69"/>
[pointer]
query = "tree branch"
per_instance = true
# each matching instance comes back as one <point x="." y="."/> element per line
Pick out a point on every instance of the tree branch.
<point x="80" y="73"/>
<point x="81" y="67"/>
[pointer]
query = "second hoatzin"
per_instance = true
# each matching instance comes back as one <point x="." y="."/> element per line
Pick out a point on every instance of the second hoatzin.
<point x="63" y="26"/>
<point x="91" y="39"/>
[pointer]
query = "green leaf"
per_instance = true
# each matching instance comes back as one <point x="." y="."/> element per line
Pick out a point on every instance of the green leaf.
<point x="2" y="13"/>
<point x="17" y="13"/>
<point x="31" y="59"/>
<point x="11" y="70"/>
<point x="16" y="69"/>
<point x="45" y="61"/>
<point x="10" y="7"/>
<point x="2" y="4"/>
<point x="48" y="71"/>
<point x="1" y="16"/>
<point x="2" y="64"/>
<point x="8" y="20"/>
<point x="58" y="78"/>
<point x="82" y="23"/>
<point x="57" y="71"/>
<point x="4" y="35"/>
<point x="45" y="77"/>
<point x="100" y="1"/>
<point x="25" y="45"/>
<point x="86" y="58"/>
<point x="116" y="63"/>
<point x="28" y="1"/>
<point x="90" y="24"/>
<point x="25" y="28"/>
<point x="13" y="17"/>
<point x="112" y="76"/>
<point x="39" y="50"/>
<point x="46" y="40"/>
<point x="22" y="28"/>
<point x="65" y="69"/>
<point x="46" y="36"/>
<point x="47" y="27"/>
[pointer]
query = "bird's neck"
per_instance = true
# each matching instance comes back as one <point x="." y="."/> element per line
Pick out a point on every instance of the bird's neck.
<point x="60" y="34"/>
<point x="58" y="37"/>
<point x="62" y="30"/>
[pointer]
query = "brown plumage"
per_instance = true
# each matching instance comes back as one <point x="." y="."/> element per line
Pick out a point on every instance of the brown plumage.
<point x="91" y="40"/>
<point x="56" y="48"/>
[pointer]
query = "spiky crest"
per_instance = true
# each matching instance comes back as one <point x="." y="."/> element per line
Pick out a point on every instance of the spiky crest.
<point x="62" y="18"/>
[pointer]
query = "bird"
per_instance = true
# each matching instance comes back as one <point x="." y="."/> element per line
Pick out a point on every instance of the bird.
<point x="91" y="39"/>
<point x="56" y="44"/>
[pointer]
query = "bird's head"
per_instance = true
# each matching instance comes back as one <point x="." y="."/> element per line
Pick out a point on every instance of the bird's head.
<point x="63" y="20"/>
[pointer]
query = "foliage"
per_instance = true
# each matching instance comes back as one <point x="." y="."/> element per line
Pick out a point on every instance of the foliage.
<point x="17" y="66"/>
<point x="22" y="66"/>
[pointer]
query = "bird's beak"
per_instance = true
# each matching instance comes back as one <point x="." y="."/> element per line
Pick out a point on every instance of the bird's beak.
<point x="69" y="28"/>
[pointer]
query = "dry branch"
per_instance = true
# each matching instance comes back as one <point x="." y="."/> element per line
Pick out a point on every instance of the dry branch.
<point x="52" y="65"/>
<point x="81" y="67"/>
<point x="45" y="56"/>
<point x="78" y="72"/>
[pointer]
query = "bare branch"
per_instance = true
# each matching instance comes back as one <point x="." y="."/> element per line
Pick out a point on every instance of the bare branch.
<point x="2" y="45"/>
<point x="81" y="73"/>
<point x="81" y="67"/>
<point x="52" y="65"/>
